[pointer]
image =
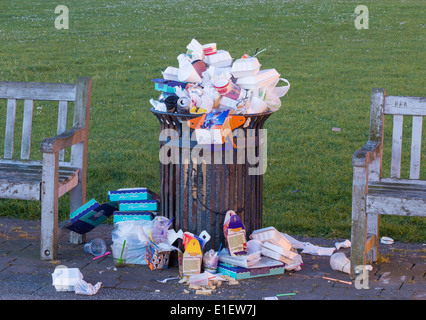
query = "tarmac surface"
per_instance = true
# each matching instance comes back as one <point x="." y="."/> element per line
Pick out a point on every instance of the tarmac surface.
<point x="399" y="275"/>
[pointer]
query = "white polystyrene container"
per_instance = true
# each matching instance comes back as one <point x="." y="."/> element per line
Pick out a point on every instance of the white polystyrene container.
<point x="261" y="80"/>
<point x="171" y="73"/>
<point x="272" y="235"/>
<point x="246" y="67"/>
<point x="220" y="59"/>
<point x="64" y="279"/>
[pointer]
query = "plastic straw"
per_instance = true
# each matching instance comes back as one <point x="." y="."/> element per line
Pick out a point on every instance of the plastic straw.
<point x="122" y="250"/>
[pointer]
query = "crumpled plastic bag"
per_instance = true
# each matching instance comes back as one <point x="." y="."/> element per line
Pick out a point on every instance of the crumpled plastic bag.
<point x="274" y="93"/>
<point x="136" y="234"/>
<point x="84" y="288"/>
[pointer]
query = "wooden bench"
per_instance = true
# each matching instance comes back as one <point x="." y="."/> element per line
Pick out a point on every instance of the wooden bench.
<point x="51" y="177"/>
<point x="372" y="194"/>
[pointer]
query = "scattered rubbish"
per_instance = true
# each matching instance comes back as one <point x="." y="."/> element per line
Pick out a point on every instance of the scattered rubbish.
<point x="285" y="294"/>
<point x="235" y="234"/>
<point x="96" y="247"/>
<point x="136" y="234"/>
<point x="190" y="260"/>
<point x="339" y="262"/>
<point x="386" y="240"/>
<point x="270" y="298"/>
<point x="336" y="129"/>
<point x="342" y="281"/>
<point x="105" y="254"/>
<point x="167" y="279"/>
<point x="71" y="279"/>
<point x="210" y="260"/>
<point x="317" y="250"/>
<point x="119" y="254"/>
<point x="295" y="191"/>
<point x="344" y="244"/>
<point x="275" y="245"/>
<point x="90" y="215"/>
<point x="84" y="288"/>
<point x="157" y="255"/>
<point x="200" y="279"/>
<point x="64" y="278"/>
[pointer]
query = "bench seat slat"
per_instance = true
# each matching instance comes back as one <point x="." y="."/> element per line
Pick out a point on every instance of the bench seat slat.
<point x="23" y="182"/>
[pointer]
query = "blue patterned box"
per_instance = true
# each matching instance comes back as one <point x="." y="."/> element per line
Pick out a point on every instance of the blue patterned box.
<point x="246" y="273"/>
<point x="132" y="215"/>
<point x="138" y="205"/>
<point x="88" y="216"/>
<point x="130" y="194"/>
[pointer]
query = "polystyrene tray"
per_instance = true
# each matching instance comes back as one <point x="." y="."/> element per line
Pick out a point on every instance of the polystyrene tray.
<point x="272" y="235"/>
<point x="279" y="249"/>
<point x="274" y="255"/>
<point x="220" y="59"/>
<point x="245" y="67"/>
<point x="261" y="80"/>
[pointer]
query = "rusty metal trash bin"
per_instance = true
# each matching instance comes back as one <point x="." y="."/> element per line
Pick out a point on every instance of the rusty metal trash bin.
<point x="197" y="192"/>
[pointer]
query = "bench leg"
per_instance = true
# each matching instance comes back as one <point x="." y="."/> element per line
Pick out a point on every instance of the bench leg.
<point x="78" y="193"/>
<point x="359" y="223"/>
<point x="49" y="207"/>
<point x="373" y="229"/>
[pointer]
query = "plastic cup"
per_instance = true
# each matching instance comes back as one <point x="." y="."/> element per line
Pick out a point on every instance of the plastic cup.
<point x="339" y="262"/>
<point x="119" y="254"/>
<point x="171" y="103"/>
<point x="97" y="247"/>
<point x="187" y="73"/>
<point x="199" y="66"/>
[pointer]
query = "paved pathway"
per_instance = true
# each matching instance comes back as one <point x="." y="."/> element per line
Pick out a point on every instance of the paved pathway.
<point x="23" y="276"/>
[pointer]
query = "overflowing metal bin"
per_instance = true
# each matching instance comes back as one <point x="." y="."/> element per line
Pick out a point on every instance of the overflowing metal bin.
<point x="198" y="193"/>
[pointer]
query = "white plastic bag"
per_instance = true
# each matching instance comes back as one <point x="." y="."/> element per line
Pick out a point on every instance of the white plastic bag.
<point x="136" y="234"/>
<point x="84" y="288"/>
<point x="274" y="93"/>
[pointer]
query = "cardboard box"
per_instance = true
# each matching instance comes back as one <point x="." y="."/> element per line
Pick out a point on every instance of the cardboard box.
<point x="130" y="194"/>
<point x="190" y="260"/>
<point x="132" y="215"/>
<point x="235" y="234"/>
<point x="90" y="215"/>
<point x="266" y="267"/>
<point x="138" y="205"/>
<point x="156" y="259"/>
<point x="168" y="86"/>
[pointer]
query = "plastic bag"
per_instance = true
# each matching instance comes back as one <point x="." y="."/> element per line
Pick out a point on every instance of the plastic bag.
<point x="136" y="234"/>
<point x="84" y="288"/>
<point x="159" y="230"/>
<point x="274" y="93"/>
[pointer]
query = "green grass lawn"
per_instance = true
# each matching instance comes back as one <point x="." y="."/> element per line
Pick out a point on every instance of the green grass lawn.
<point x="331" y="65"/>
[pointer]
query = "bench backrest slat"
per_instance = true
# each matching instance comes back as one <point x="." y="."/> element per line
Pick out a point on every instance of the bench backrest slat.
<point x="400" y="106"/>
<point x="27" y="129"/>
<point x="396" y="146"/>
<point x="37" y="91"/>
<point x="416" y="147"/>
<point x="62" y="122"/>
<point x="10" y="128"/>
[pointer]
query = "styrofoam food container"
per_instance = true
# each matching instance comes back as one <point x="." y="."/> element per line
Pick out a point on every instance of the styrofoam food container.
<point x="278" y="249"/>
<point x="272" y="235"/>
<point x="261" y="80"/>
<point x="220" y="59"/>
<point x="245" y="67"/>
<point x="171" y="73"/>
<point x="64" y="279"/>
<point x="275" y="255"/>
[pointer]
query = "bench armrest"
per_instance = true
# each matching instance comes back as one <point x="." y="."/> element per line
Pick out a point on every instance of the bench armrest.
<point x="370" y="151"/>
<point x="64" y="140"/>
